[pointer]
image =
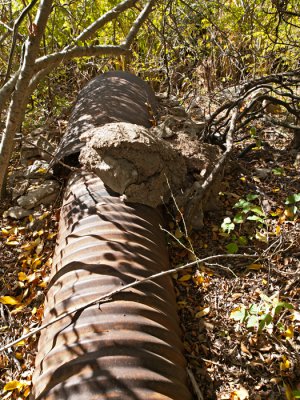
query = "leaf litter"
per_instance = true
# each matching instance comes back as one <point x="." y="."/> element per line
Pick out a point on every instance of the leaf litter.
<point x="240" y="319"/>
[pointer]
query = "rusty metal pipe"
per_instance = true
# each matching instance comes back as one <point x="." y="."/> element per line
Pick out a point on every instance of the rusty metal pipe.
<point x="129" y="348"/>
<point x="115" y="96"/>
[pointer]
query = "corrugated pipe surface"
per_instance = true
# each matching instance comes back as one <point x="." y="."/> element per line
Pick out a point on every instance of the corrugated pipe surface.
<point x="130" y="347"/>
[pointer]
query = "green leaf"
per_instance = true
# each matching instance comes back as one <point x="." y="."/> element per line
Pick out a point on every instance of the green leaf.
<point x="253" y="131"/>
<point x="238" y="218"/>
<point x="227" y="225"/>
<point x="252" y="321"/>
<point x="232" y="248"/>
<point x="242" y="240"/>
<point x="257" y="210"/>
<point x="251" y="196"/>
<point x="292" y="199"/>
<point x="243" y="204"/>
<point x="266" y="319"/>
<point x="255" y="218"/>
<point x="278" y="171"/>
<point x="281" y="305"/>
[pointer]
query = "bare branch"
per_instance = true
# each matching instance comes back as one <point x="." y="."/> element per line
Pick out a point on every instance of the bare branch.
<point x="138" y="22"/>
<point x="78" y="51"/>
<point x="104" y="19"/>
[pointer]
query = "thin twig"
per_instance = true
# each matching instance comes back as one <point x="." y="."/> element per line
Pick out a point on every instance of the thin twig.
<point x="108" y="296"/>
<point x="195" y="385"/>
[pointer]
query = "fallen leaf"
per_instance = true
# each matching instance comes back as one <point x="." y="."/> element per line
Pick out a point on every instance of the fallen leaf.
<point x="185" y="278"/>
<point x="12" y="301"/>
<point x="12" y="385"/>
<point x="203" y="312"/>
<point x="245" y="349"/>
<point x="284" y="364"/>
<point x="289" y="333"/>
<point x="255" y="267"/>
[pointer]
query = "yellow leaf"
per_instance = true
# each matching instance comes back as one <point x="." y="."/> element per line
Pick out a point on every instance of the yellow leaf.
<point x="26" y="392"/>
<point x="185" y="278"/>
<point x="277" y="230"/>
<point x="4" y="232"/>
<point x="275" y="190"/>
<point x="28" y="246"/>
<point x="36" y="263"/>
<point x="255" y="266"/>
<point x="43" y="216"/>
<point x="12" y="301"/>
<point x="198" y="280"/>
<point x="18" y="355"/>
<point x="31" y="219"/>
<point x="51" y="235"/>
<point x="203" y="312"/>
<point x="22" y="276"/>
<point x="284" y="364"/>
<point x="243" y="179"/>
<point x="264" y="282"/>
<point x="289" y="333"/>
<point x="12" y="385"/>
<point x="42" y="170"/>
<point x="20" y="343"/>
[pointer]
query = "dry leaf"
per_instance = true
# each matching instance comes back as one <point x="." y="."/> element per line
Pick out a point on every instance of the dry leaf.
<point x="255" y="267"/>
<point x="12" y="301"/>
<point x="245" y="349"/>
<point x="203" y="312"/>
<point x="12" y="385"/>
<point x="185" y="278"/>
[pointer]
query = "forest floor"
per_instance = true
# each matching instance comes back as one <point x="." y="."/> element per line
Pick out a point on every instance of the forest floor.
<point x="240" y="316"/>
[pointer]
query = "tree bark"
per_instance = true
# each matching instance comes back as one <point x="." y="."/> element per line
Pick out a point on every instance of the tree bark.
<point x="18" y="102"/>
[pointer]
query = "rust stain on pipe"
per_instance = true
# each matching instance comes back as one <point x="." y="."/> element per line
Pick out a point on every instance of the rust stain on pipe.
<point x="129" y="348"/>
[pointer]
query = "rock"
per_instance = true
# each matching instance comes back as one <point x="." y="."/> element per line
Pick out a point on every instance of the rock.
<point x="20" y="187"/>
<point x="16" y="213"/>
<point x="45" y="193"/>
<point x="133" y="162"/>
